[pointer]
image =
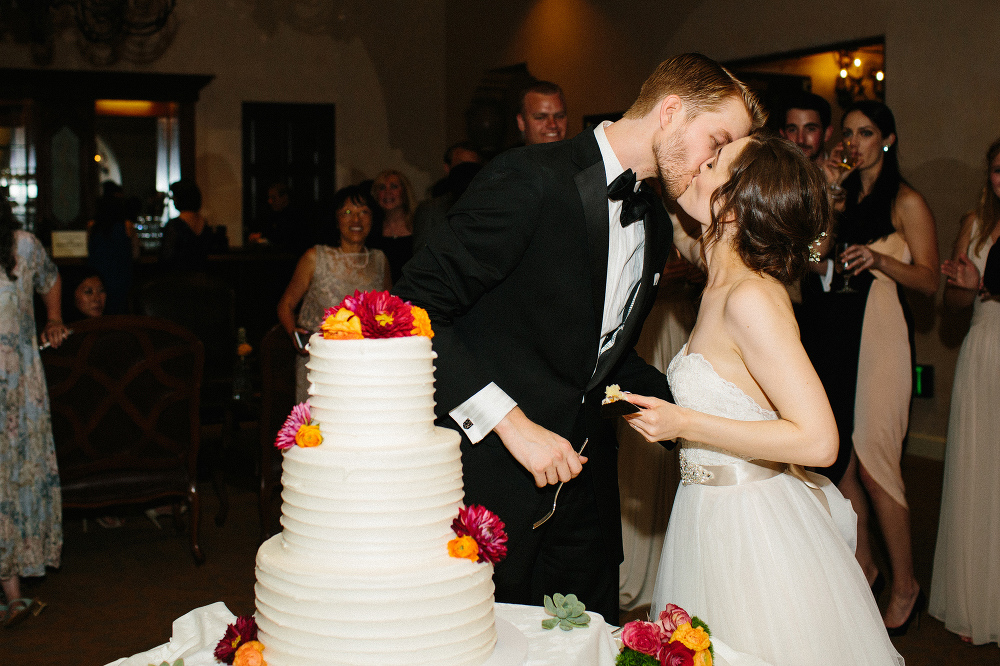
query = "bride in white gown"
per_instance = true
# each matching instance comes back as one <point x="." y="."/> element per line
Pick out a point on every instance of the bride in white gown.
<point x="758" y="548"/>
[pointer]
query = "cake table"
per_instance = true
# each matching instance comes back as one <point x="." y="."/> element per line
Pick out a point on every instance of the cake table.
<point x="194" y="636"/>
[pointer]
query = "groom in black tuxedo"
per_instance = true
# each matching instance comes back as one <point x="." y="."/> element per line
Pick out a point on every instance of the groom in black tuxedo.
<point x="537" y="288"/>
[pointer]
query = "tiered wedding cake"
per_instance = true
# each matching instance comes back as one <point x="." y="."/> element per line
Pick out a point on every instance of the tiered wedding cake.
<point x="361" y="573"/>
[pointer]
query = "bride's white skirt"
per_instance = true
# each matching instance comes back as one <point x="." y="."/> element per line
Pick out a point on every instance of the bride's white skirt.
<point x="767" y="568"/>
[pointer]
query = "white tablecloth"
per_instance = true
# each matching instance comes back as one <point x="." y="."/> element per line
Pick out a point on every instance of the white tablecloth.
<point x="194" y="636"/>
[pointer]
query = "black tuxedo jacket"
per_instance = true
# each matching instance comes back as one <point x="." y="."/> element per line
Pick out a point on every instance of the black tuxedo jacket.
<point x="514" y="284"/>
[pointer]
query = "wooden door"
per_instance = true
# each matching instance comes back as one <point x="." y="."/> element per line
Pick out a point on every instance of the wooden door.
<point x="290" y="143"/>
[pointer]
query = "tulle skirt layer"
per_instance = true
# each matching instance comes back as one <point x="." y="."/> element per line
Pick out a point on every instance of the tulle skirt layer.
<point x="770" y="571"/>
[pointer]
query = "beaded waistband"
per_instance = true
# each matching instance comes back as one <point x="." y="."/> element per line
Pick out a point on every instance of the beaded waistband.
<point x="731" y="474"/>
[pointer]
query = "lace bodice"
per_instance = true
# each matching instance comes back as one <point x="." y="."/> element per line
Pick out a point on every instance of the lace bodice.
<point x="696" y="385"/>
<point x="338" y="274"/>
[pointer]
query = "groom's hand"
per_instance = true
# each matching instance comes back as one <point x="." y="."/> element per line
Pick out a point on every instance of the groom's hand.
<point x="549" y="457"/>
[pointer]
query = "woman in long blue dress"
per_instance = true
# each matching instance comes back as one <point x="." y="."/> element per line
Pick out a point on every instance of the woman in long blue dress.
<point x="30" y="502"/>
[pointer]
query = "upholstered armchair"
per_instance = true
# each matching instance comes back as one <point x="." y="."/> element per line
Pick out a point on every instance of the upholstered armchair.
<point x="124" y="393"/>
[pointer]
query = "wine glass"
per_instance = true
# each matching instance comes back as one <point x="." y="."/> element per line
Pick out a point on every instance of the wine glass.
<point x="846" y="289"/>
<point x="846" y="161"/>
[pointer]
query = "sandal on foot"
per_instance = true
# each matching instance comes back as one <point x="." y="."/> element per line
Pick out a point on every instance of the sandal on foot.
<point x="154" y="517"/>
<point x="110" y="522"/>
<point x="19" y="610"/>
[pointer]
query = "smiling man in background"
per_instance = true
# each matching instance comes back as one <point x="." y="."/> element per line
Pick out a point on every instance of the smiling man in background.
<point x="542" y="116"/>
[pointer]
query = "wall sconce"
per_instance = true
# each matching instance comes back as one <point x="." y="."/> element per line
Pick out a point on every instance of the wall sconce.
<point x="856" y="81"/>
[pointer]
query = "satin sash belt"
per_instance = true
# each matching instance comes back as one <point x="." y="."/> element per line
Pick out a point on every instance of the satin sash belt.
<point x="746" y="471"/>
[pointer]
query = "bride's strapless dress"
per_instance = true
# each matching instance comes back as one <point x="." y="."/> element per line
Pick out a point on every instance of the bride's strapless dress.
<point x="764" y="558"/>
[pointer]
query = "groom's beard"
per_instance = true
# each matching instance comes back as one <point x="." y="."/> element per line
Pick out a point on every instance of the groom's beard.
<point x="671" y="164"/>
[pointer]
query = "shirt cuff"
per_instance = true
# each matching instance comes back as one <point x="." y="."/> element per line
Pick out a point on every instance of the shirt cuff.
<point x="478" y="415"/>
<point x="827" y="279"/>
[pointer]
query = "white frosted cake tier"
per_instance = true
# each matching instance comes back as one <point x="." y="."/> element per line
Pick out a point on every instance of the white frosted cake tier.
<point x="359" y="503"/>
<point x="434" y="613"/>
<point x="360" y="573"/>
<point x="370" y="387"/>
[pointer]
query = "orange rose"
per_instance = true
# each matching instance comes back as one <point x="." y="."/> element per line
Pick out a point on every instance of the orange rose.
<point x="703" y="658"/>
<point x="250" y="654"/>
<point x="244" y="349"/>
<point x="421" y="322"/>
<point x="308" y="435"/>
<point x="464" y="546"/>
<point x="343" y="325"/>
<point x="692" y="637"/>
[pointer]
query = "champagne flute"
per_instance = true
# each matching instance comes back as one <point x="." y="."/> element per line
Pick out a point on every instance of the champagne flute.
<point x="846" y="289"/>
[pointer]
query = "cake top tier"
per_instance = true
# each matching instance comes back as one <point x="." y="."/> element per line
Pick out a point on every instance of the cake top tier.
<point x="371" y="388"/>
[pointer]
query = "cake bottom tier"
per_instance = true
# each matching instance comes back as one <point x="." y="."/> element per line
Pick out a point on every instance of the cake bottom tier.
<point x="311" y="614"/>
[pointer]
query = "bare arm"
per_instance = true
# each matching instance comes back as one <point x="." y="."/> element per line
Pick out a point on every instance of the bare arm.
<point x="759" y="323"/>
<point x="55" y="332"/>
<point x="963" y="276"/>
<point x="296" y="289"/>
<point x="913" y="219"/>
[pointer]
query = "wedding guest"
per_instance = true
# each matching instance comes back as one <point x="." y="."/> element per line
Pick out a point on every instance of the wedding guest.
<point x="541" y="116"/>
<point x="967" y="558"/>
<point x="86" y="297"/>
<point x="859" y="340"/>
<point x="463" y="152"/>
<point x="112" y="245"/>
<point x="187" y="238"/>
<point x="537" y="289"/>
<point x="392" y="231"/>
<point x="432" y="213"/>
<point x="329" y="271"/>
<point x="30" y="500"/>
<point x="807" y="125"/>
<point x="283" y="224"/>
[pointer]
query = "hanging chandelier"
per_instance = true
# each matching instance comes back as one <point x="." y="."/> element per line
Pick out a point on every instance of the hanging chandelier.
<point x="107" y="30"/>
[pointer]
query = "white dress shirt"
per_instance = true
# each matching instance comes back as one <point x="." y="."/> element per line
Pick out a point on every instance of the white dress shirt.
<point x="483" y="411"/>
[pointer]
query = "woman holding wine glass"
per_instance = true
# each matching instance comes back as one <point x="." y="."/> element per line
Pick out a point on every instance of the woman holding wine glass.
<point x="859" y="339"/>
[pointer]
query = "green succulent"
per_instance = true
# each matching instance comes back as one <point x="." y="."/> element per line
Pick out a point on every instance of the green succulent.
<point x="567" y="612"/>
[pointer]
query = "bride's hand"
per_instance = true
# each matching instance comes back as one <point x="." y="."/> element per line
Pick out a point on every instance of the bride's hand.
<point x="657" y="420"/>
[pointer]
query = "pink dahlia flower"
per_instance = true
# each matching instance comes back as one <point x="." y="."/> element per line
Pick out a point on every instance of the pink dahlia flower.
<point x="298" y="418"/>
<point x="383" y="315"/>
<point x="486" y="528"/>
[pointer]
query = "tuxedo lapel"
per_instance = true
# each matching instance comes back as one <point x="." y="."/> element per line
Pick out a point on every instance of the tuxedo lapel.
<point x="592" y="184"/>
<point x="634" y="314"/>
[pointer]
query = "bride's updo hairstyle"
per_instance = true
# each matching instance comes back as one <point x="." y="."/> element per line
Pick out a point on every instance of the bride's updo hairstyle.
<point x="777" y="198"/>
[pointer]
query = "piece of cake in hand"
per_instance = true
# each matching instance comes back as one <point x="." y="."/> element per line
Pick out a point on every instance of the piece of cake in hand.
<point x="615" y="404"/>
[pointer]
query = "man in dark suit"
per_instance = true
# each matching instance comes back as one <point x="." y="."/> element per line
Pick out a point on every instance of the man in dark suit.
<point x="537" y="288"/>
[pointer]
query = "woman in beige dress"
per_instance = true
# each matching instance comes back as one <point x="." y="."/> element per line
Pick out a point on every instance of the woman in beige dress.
<point x="327" y="273"/>
<point x="892" y="243"/>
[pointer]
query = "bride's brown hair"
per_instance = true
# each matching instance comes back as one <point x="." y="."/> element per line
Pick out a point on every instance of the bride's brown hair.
<point x="777" y="198"/>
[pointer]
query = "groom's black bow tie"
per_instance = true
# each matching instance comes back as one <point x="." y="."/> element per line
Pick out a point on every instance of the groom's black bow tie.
<point x="635" y="203"/>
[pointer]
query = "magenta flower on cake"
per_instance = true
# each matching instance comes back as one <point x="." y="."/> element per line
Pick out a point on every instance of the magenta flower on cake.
<point x="243" y="631"/>
<point x="383" y="315"/>
<point x="299" y="417"/>
<point x="486" y="528"/>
